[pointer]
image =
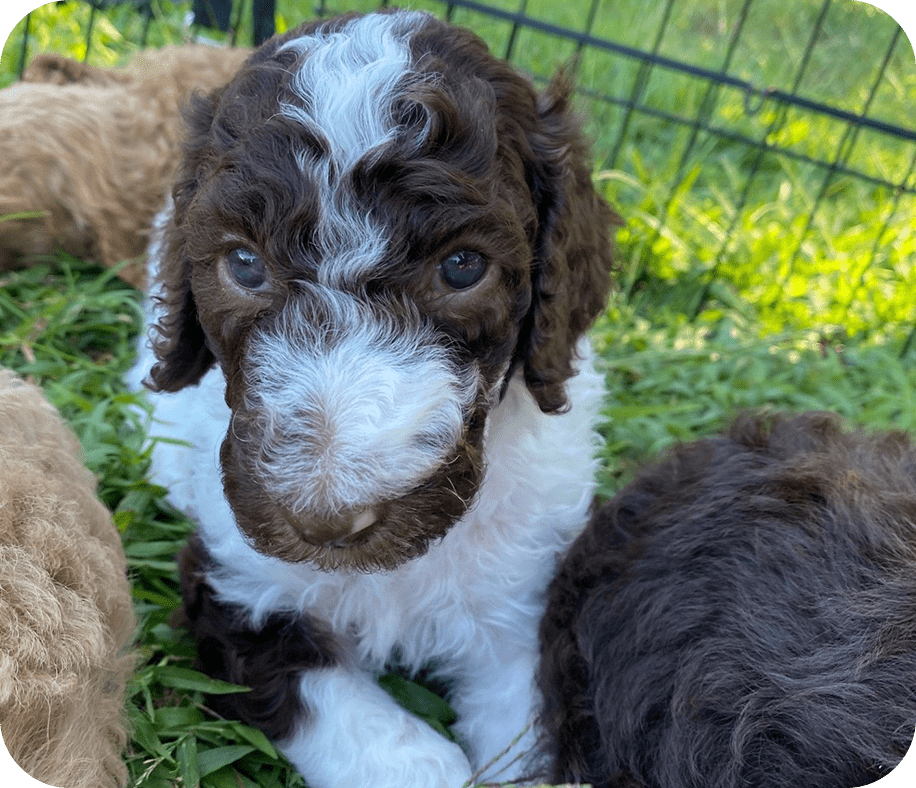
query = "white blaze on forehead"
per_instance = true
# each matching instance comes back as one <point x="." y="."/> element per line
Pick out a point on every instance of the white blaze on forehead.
<point x="347" y="79"/>
<point x="345" y="82"/>
<point x="355" y="408"/>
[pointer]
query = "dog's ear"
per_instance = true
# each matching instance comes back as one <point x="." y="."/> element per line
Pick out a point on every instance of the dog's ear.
<point x="573" y="249"/>
<point x="178" y="338"/>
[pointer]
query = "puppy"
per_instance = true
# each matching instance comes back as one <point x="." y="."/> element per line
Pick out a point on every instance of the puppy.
<point x="742" y="614"/>
<point x="66" y="624"/>
<point x="91" y="152"/>
<point x="384" y="251"/>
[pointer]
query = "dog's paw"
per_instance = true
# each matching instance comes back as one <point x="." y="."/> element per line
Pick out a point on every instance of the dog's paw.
<point x="357" y="735"/>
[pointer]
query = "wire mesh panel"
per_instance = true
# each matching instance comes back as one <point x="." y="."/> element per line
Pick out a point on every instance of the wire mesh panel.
<point x="727" y="132"/>
<point x="744" y="130"/>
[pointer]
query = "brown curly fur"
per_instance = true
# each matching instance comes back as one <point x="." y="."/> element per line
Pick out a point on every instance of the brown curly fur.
<point x="741" y="615"/>
<point x="65" y="617"/>
<point x="94" y="151"/>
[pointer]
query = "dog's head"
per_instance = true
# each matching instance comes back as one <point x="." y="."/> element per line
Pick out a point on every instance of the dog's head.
<point x="376" y="223"/>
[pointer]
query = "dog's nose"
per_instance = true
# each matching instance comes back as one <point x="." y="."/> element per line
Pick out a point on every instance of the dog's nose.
<point x="336" y="530"/>
<point x="363" y="520"/>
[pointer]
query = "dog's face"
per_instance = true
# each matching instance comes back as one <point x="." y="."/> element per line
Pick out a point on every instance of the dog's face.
<point x="376" y="223"/>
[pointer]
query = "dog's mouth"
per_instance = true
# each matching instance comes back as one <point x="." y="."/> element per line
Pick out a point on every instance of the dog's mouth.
<point x="336" y="531"/>
<point x="363" y="519"/>
<point x="370" y="536"/>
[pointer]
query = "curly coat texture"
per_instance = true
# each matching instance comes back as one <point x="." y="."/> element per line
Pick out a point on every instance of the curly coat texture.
<point x="65" y="617"/>
<point x="476" y="159"/>
<point x="384" y="250"/>
<point x="93" y="150"/>
<point x="742" y="614"/>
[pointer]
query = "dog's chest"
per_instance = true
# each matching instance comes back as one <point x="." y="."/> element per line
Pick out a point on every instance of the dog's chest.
<point x="483" y="582"/>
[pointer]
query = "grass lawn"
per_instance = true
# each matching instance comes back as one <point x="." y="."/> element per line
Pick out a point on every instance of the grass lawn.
<point x="723" y="303"/>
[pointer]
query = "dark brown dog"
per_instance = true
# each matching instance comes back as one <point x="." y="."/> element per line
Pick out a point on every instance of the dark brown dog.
<point x="742" y="614"/>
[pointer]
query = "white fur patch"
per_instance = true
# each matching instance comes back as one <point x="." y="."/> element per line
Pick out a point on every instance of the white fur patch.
<point x="373" y="740"/>
<point x="354" y="407"/>
<point x="346" y="81"/>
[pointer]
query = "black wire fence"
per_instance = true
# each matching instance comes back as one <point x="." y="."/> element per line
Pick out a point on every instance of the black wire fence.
<point x="715" y="141"/>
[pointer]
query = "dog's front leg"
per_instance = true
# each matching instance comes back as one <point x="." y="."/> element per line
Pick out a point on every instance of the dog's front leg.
<point x="331" y="719"/>
<point x="355" y="734"/>
<point x="495" y="703"/>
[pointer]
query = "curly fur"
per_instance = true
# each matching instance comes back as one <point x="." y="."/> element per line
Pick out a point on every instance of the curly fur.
<point x="65" y="616"/>
<point x="742" y="614"/>
<point x="384" y="465"/>
<point x="94" y="151"/>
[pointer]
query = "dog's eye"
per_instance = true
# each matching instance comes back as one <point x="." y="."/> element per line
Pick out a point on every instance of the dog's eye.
<point x="462" y="269"/>
<point x="246" y="268"/>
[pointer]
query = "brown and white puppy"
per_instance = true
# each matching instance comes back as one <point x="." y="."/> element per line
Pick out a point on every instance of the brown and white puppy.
<point x="383" y="254"/>
<point x="92" y="151"/>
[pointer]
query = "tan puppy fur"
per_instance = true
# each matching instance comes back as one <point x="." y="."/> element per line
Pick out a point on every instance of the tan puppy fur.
<point x="65" y="616"/>
<point x="93" y="151"/>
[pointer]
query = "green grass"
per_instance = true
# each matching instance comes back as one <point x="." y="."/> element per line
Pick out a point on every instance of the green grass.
<point x="704" y="323"/>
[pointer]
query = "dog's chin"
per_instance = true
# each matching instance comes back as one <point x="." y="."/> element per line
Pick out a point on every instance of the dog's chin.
<point x="386" y="544"/>
<point x="371" y="539"/>
<point x="379" y="536"/>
